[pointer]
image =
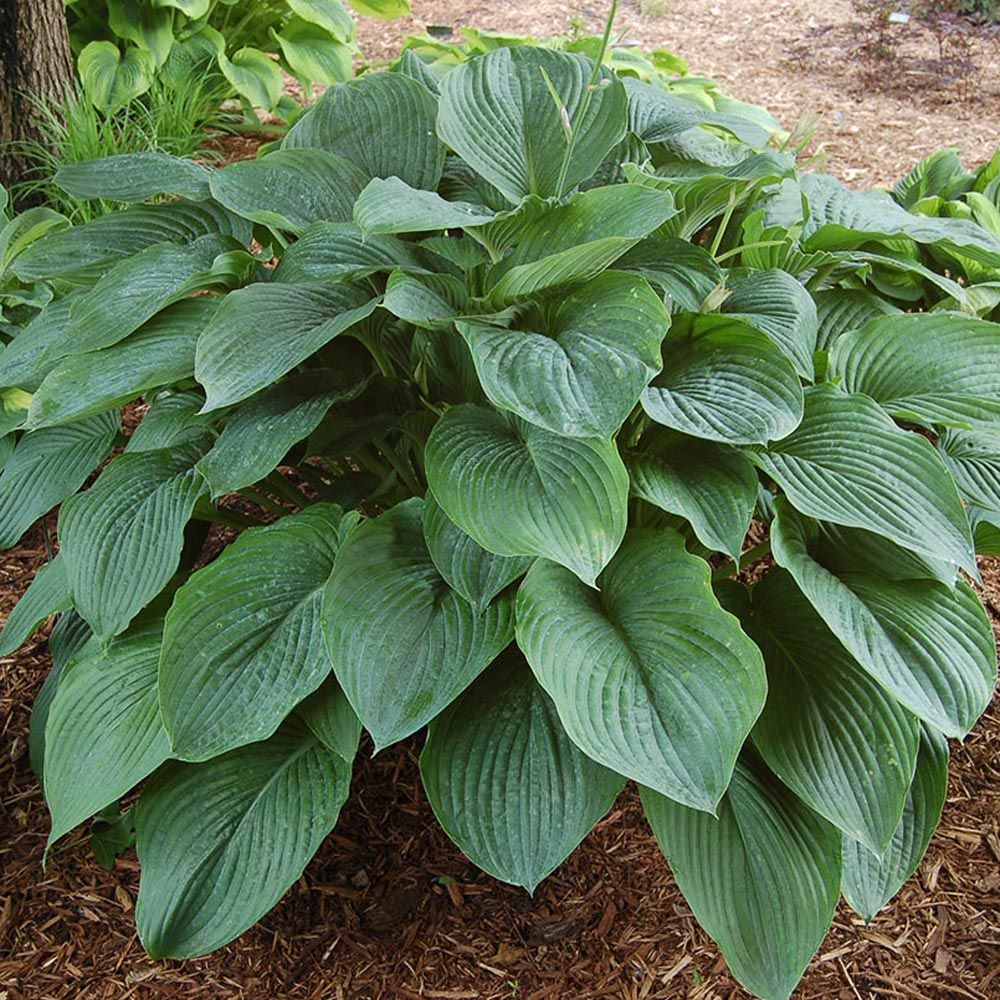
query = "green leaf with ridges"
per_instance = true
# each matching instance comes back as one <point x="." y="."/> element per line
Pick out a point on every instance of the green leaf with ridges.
<point x="122" y="538"/>
<point x="103" y="734"/>
<point x="221" y="842"/>
<point x="649" y="675"/>
<point x="763" y="879"/>
<point x="973" y="459"/>
<point x="930" y="645"/>
<point x="848" y="463"/>
<point x="242" y="642"/>
<point x="498" y="114"/>
<point x="584" y="373"/>
<point x="506" y="783"/>
<point x="844" y="745"/>
<point x="519" y="490"/>
<point x="391" y="206"/>
<point x="868" y="883"/>
<point x="48" y="466"/>
<point x="132" y="177"/>
<point x="264" y="330"/>
<point x="47" y="594"/>
<point x="402" y="642"/>
<point x="329" y="716"/>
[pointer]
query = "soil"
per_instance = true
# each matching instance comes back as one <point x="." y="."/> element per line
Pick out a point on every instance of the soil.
<point x="389" y="909"/>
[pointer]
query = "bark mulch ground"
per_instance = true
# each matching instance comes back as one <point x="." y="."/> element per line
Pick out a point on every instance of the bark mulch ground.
<point x="389" y="909"/>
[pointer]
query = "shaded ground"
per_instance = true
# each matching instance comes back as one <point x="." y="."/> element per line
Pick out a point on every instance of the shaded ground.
<point x="389" y="908"/>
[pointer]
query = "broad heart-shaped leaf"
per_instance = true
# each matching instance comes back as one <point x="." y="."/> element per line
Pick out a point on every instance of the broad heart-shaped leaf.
<point x="47" y="594"/>
<point x="848" y="463"/>
<point x="974" y="463"/>
<point x="83" y="253"/>
<point x="402" y="642"/>
<point x="135" y="177"/>
<point x="339" y="251"/>
<point x="725" y="381"/>
<point x="713" y="486"/>
<point x="160" y="352"/>
<point x="685" y="274"/>
<point x="138" y="287"/>
<point x="254" y="75"/>
<point x="220" y="842"/>
<point x="649" y="675"/>
<point x="392" y="206"/>
<point x="467" y="567"/>
<point x="242" y="642"/>
<point x="779" y="306"/>
<point x="427" y="301"/>
<point x="498" y="113"/>
<point x="38" y="346"/>
<point x="264" y="330"/>
<point x="868" y="883"/>
<point x="576" y="240"/>
<point x="111" y="78"/>
<point x="172" y="417"/>
<point x="150" y="26"/>
<point x="103" y="734"/>
<point x="312" y="54"/>
<point x="763" y="879"/>
<point x="122" y="538"/>
<point x="258" y="435"/>
<point x="290" y="188"/>
<point x="840" y="310"/>
<point x="381" y="122"/>
<point x="506" y="782"/>
<point x="930" y="368"/>
<point x="329" y="716"/>
<point x="331" y="15"/>
<point x="930" y="645"/>
<point x="844" y="745"/>
<point x="48" y="466"/>
<point x="583" y="375"/>
<point x="519" y="490"/>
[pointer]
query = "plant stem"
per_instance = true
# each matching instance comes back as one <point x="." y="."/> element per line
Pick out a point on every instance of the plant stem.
<point x="749" y="246"/>
<point x="587" y="97"/>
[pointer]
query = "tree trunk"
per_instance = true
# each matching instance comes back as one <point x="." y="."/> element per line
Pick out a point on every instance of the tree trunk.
<point x="35" y="60"/>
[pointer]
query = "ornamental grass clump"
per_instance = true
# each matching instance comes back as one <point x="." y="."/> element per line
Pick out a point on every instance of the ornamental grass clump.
<point x="525" y="351"/>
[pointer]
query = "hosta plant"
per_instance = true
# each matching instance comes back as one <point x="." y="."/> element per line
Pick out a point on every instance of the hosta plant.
<point x="123" y="46"/>
<point x="545" y="412"/>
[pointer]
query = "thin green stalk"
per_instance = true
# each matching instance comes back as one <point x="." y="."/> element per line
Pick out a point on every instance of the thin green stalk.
<point x="263" y="501"/>
<point x="587" y="97"/>
<point x="401" y="467"/>
<point x="286" y="490"/>
<point x="748" y="246"/>
<point x="721" y="231"/>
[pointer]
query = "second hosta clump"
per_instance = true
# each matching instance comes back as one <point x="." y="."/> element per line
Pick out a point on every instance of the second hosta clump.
<point x="541" y="342"/>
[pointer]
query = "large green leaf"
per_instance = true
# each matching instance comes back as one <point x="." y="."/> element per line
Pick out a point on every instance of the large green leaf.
<point x="220" y="842"/>
<point x="402" y="642"/>
<point x="575" y="240"/>
<point x="931" y="368"/>
<point x="290" y="188"/>
<point x="135" y="177"/>
<point x="331" y="15"/>
<point x="428" y="301"/>
<point x="149" y="25"/>
<point x="506" y="783"/>
<point x="840" y="310"/>
<point x="974" y="462"/>
<point x="312" y="54"/>
<point x="519" y="490"/>
<point x="160" y="352"/>
<point x="83" y="253"/>
<point x="713" y="486"/>
<point x="725" y="381"/>
<point x="112" y="78"/>
<point x="103" y="734"/>
<point x="329" y="715"/>
<point x="242" y="642"/>
<point x="172" y="418"/>
<point x="264" y="330"/>
<point x="649" y="675"/>
<point x="392" y="206"/>
<point x="927" y="643"/>
<point x="844" y="745"/>
<point x="259" y="434"/>
<point x="122" y="538"/>
<point x="868" y="882"/>
<point x="381" y="122"/>
<point x="48" y="466"/>
<point x="255" y="76"/>
<point x="848" y="463"/>
<point x="584" y="373"/>
<point x="467" y="567"/>
<point x="683" y="273"/>
<point x="779" y="306"/>
<point x="498" y="113"/>
<point x="138" y="287"/>
<point x="47" y="594"/>
<point x="762" y="879"/>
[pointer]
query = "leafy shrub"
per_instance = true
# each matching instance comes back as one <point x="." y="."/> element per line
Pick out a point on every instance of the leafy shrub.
<point x="524" y="353"/>
<point x="124" y="44"/>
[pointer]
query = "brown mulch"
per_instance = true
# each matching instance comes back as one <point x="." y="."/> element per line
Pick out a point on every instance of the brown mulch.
<point x="389" y="908"/>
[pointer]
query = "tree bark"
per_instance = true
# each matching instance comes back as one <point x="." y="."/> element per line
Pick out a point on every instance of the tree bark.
<point x="35" y="61"/>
